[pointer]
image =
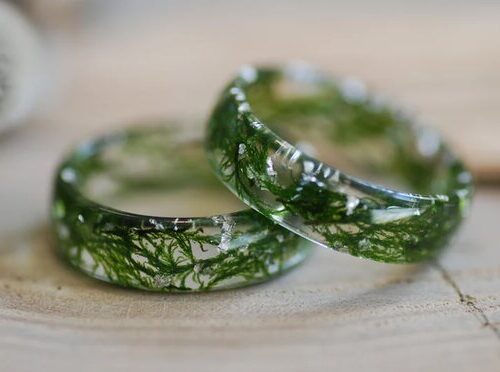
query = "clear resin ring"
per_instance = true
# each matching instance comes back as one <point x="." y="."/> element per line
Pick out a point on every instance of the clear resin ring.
<point x="109" y="200"/>
<point x="336" y="164"/>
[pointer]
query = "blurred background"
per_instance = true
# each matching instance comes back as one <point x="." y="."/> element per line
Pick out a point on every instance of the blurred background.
<point x="117" y="61"/>
<point x="106" y="64"/>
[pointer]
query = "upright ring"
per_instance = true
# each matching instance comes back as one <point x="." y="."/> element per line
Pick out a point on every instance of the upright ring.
<point x="274" y="132"/>
<point x="159" y="253"/>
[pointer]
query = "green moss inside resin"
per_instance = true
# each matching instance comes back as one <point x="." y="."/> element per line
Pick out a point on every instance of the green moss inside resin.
<point x="274" y="139"/>
<point x="98" y="235"/>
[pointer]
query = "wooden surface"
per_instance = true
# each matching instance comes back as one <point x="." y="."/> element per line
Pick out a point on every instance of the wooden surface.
<point x="334" y="312"/>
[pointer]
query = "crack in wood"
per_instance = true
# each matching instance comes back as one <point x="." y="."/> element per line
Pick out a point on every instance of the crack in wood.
<point x="469" y="302"/>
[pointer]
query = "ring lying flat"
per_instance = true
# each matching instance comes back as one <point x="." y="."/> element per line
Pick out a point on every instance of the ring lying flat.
<point x="160" y="253"/>
<point x="274" y="132"/>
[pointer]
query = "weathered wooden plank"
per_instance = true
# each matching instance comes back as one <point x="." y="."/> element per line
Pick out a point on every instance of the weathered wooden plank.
<point x="334" y="310"/>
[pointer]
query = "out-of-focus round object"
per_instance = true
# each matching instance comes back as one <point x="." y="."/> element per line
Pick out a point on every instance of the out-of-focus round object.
<point x="21" y="67"/>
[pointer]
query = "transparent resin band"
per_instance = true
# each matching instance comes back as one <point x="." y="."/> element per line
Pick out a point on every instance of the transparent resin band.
<point x="160" y="253"/>
<point x="272" y="125"/>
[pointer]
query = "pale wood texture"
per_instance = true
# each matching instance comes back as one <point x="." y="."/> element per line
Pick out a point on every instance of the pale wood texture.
<point x="334" y="312"/>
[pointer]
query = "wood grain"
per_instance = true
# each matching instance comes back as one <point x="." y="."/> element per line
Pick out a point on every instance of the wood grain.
<point x="334" y="312"/>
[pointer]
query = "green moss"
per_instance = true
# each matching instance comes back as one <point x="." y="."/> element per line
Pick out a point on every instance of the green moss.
<point x="161" y="253"/>
<point x="266" y="116"/>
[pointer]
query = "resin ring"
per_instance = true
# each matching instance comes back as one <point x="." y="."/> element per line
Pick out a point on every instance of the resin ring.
<point x="133" y="170"/>
<point x="312" y="152"/>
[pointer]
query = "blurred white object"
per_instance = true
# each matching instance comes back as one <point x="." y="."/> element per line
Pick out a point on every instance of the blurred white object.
<point x="21" y="67"/>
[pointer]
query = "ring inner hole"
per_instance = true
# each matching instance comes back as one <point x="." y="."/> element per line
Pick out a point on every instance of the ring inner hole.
<point x="342" y="125"/>
<point x="157" y="172"/>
